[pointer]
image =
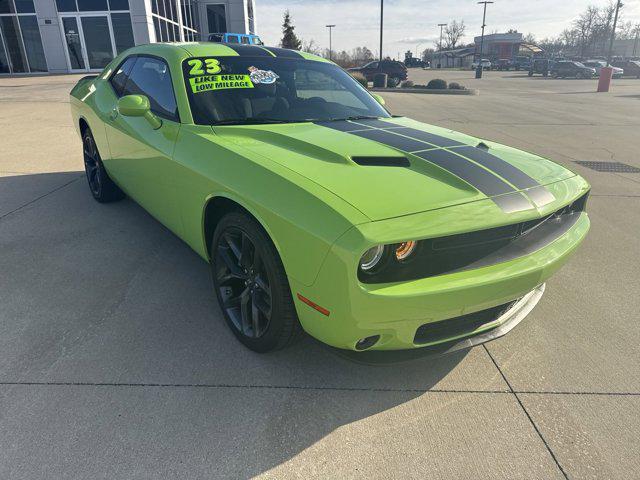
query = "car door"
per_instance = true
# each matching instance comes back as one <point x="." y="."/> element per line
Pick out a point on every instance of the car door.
<point x="142" y="157"/>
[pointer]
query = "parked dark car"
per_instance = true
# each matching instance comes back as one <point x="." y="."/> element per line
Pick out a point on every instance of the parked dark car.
<point x="413" y="62"/>
<point x="396" y="71"/>
<point x="522" y="63"/>
<point x="631" y="67"/>
<point x="540" y="66"/>
<point x="571" y="68"/>
<point x="503" y="64"/>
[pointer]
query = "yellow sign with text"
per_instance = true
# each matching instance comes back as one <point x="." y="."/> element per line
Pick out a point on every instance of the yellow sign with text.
<point x="205" y="83"/>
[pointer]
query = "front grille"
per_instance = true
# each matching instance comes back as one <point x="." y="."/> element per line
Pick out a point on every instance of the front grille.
<point x="459" y="326"/>
<point x="466" y="251"/>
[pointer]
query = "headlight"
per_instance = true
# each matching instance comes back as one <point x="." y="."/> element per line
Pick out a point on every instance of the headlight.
<point x="371" y="258"/>
<point x="405" y="249"/>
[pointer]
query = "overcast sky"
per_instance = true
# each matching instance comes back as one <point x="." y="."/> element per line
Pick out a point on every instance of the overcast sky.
<point x="411" y="24"/>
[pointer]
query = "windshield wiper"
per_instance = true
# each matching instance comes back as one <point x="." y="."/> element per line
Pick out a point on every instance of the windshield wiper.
<point x="356" y="117"/>
<point x="249" y="121"/>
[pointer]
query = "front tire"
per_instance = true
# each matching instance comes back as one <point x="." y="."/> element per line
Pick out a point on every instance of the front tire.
<point x="251" y="285"/>
<point x="100" y="184"/>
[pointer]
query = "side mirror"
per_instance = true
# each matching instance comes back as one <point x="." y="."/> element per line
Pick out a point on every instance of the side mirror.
<point x="379" y="99"/>
<point x="138" y="106"/>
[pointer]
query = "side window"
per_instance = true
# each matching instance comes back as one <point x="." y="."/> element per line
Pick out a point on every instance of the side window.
<point x="119" y="79"/>
<point x="372" y="65"/>
<point x="232" y="39"/>
<point x="151" y="77"/>
<point x="245" y="40"/>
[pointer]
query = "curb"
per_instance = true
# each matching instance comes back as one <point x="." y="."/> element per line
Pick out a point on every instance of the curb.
<point x="428" y="91"/>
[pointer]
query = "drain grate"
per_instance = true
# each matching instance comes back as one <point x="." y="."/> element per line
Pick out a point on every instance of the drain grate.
<point x="615" y="167"/>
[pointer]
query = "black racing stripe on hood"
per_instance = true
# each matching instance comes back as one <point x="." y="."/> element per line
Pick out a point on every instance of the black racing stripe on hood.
<point x="248" y="50"/>
<point x="376" y="123"/>
<point x="471" y="173"/>
<point x="437" y="140"/>
<point x="507" y="171"/>
<point x="341" y="125"/>
<point x="482" y="179"/>
<point x="540" y="196"/>
<point x="283" y="52"/>
<point x="393" y="140"/>
<point x="512" y="202"/>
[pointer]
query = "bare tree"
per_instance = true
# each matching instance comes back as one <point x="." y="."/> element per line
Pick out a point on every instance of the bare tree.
<point x="310" y="46"/>
<point x="453" y="33"/>
<point x="584" y="27"/>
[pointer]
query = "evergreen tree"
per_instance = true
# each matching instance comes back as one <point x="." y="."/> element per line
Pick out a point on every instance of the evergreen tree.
<point x="289" y="38"/>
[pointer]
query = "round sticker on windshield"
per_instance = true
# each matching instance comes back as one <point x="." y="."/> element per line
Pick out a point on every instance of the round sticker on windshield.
<point x="265" y="77"/>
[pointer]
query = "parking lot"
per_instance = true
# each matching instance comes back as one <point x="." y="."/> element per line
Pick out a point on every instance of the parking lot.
<point x="115" y="361"/>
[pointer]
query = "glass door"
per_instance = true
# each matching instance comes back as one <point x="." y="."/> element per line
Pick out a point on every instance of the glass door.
<point x="73" y="39"/>
<point x="89" y="39"/>
<point x="98" y="41"/>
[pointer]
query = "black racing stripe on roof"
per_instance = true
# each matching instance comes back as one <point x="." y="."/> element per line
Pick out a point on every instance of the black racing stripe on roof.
<point x="283" y="52"/>
<point x="248" y="50"/>
<point x="342" y="125"/>
<point x="507" y="171"/>
<point x="437" y="140"/>
<point x="471" y="173"/>
<point x="393" y="140"/>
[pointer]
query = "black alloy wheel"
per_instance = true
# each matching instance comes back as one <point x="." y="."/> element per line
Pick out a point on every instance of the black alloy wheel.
<point x="91" y="163"/>
<point x="251" y="285"/>
<point x="244" y="285"/>
<point x="100" y="184"/>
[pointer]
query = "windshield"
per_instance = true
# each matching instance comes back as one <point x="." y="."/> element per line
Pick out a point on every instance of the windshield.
<point x="253" y="90"/>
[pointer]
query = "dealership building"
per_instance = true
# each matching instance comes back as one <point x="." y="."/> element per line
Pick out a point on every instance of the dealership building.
<point x="69" y="36"/>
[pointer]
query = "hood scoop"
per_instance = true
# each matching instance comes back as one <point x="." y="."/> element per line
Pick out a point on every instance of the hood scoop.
<point x="382" y="161"/>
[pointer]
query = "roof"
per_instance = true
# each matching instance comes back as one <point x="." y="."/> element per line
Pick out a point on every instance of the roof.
<point x="215" y="49"/>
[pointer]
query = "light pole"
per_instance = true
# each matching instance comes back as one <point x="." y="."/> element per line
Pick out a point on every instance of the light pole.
<point x="613" y="32"/>
<point x="381" y="24"/>
<point x="635" y="42"/>
<point x="330" y="27"/>
<point x="441" y="25"/>
<point x="484" y="16"/>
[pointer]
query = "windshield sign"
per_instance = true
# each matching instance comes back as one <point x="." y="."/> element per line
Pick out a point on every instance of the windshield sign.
<point x="255" y="90"/>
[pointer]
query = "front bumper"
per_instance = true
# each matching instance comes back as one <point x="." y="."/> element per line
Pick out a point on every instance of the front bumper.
<point x="396" y="311"/>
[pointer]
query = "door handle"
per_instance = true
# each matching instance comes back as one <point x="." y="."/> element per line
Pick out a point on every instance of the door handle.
<point x="113" y="114"/>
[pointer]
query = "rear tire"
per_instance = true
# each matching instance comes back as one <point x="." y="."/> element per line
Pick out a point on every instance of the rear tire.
<point x="251" y="285"/>
<point x="100" y="184"/>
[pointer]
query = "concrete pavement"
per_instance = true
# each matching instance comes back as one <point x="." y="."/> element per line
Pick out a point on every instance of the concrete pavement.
<point x="115" y="361"/>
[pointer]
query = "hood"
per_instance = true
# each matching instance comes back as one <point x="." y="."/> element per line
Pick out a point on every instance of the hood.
<point x="393" y="167"/>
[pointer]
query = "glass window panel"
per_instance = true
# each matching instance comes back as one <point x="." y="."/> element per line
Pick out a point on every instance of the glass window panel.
<point x="74" y="47"/>
<point x="92" y="6"/>
<point x="121" y="23"/>
<point x="4" y="61"/>
<point x="11" y="34"/>
<point x="66" y="5"/>
<point x="97" y="41"/>
<point x="25" y="6"/>
<point x="33" y="43"/>
<point x="151" y="77"/>
<point x="216" y="18"/>
<point x="119" y="79"/>
<point x="161" y="8"/>
<point x="119" y="4"/>
<point x="156" y="25"/>
<point x="6" y="6"/>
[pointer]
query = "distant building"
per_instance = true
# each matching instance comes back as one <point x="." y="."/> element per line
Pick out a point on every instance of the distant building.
<point x="499" y="45"/>
<point x="60" y="36"/>
<point x="626" y="48"/>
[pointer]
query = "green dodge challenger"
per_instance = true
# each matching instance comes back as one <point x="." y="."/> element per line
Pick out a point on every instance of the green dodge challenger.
<point x="319" y="211"/>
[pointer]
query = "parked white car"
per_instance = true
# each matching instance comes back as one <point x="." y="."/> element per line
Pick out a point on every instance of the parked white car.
<point x="486" y="64"/>
<point x="600" y="64"/>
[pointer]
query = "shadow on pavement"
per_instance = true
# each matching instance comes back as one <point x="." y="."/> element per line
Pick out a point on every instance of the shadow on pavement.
<point x="104" y="296"/>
